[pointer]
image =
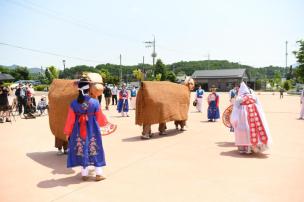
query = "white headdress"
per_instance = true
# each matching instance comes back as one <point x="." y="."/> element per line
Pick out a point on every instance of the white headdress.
<point x="243" y="90"/>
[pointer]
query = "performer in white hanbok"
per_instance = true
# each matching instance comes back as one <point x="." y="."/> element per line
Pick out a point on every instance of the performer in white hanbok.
<point x="199" y="98"/>
<point x="302" y="104"/>
<point x="233" y="93"/>
<point x="249" y="122"/>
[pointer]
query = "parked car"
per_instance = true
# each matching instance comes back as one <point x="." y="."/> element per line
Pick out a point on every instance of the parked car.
<point x="16" y="83"/>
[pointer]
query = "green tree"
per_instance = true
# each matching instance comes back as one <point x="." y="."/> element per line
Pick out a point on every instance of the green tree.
<point x="158" y="77"/>
<point x="105" y="74"/>
<point x="287" y="85"/>
<point x="300" y="59"/>
<point x="149" y="76"/>
<point x="4" y="70"/>
<point x="54" y="72"/>
<point x="160" y="69"/>
<point x="171" y="76"/>
<point x="48" y="76"/>
<point x="138" y="74"/>
<point x="77" y="71"/>
<point x="20" y="73"/>
<point x="277" y="78"/>
<point x="51" y="73"/>
<point x="113" y="80"/>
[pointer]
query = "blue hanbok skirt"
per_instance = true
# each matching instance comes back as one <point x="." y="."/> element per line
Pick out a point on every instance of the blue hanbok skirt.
<point x="213" y="111"/>
<point x="123" y="105"/>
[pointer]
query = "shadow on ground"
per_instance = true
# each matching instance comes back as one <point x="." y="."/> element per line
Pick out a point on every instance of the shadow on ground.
<point x="57" y="163"/>
<point x="225" y="144"/>
<point x="63" y="182"/>
<point x="51" y="160"/>
<point x="170" y="132"/>
<point x="206" y="121"/>
<point x="236" y="154"/>
<point x="119" y="116"/>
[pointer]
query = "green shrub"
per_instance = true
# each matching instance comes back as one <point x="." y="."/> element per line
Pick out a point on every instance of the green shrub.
<point x="287" y="85"/>
<point x="7" y="84"/>
<point x="41" y="87"/>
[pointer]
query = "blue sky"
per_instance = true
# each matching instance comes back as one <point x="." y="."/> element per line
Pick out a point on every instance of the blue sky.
<point x="251" y="32"/>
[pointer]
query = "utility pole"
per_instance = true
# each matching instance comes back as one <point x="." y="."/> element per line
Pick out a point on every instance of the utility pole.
<point x="143" y="69"/>
<point x="120" y="68"/>
<point x="208" y="61"/>
<point x="286" y="53"/>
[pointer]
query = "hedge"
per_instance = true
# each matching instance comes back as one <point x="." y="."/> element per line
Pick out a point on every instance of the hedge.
<point x="41" y="87"/>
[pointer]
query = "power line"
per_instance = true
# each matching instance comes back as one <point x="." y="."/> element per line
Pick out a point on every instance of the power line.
<point x="84" y="25"/>
<point x="70" y="20"/>
<point x="50" y="53"/>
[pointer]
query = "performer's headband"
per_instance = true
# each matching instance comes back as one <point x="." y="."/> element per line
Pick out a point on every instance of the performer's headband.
<point x="84" y="88"/>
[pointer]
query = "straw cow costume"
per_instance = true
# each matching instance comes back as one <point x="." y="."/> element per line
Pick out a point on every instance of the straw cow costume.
<point x="61" y="94"/>
<point x="159" y="102"/>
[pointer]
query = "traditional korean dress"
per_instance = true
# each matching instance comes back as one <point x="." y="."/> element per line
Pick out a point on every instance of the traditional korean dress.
<point x="213" y="108"/>
<point x="123" y="105"/>
<point x="232" y="95"/>
<point x="249" y="122"/>
<point x="199" y="99"/>
<point x="82" y="127"/>
<point x="133" y="98"/>
<point x="302" y="105"/>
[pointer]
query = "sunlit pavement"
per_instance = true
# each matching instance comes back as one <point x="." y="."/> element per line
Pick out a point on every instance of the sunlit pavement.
<point x="200" y="164"/>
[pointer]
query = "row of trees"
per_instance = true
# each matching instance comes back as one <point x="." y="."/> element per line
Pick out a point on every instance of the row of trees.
<point x="19" y="73"/>
<point x="299" y="71"/>
<point x="111" y="73"/>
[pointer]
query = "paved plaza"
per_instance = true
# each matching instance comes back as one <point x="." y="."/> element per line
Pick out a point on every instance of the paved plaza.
<point x="200" y="164"/>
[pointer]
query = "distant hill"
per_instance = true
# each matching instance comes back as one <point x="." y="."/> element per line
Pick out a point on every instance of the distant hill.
<point x="35" y="70"/>
<point x="189" y="67"/>
<point x="32" y="70"/>
<point x="179" y="68"/>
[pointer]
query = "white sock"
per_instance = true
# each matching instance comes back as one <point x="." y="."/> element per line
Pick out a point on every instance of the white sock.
<point x="98" y="170"/>
<point x="85" y="171"/>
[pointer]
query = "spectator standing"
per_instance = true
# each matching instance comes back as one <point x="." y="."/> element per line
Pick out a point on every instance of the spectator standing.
<point x="281" y="93"/>
<point x="123" y="104"/>
<point x="4" y="104"/>
<point x="133" y="97"/>
<point x="114" y="94"/>
<point x="199" y="93"/>
<point x="302" y="105"/>
<point x="107" y="95"/>
<point x="21" y="98"/>
<point x="213" y="108"/>
<point x="32" y="94"/>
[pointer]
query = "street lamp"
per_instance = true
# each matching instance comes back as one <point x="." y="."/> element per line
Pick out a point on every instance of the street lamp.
<point x="63" y="61"/>
<point x="151" y="44"/>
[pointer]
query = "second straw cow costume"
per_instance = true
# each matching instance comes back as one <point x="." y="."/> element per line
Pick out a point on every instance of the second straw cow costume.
<point x="159" y="102"/>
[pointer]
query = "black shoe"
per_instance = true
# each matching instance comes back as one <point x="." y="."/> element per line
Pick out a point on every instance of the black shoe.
<point x="209" y="120"/>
